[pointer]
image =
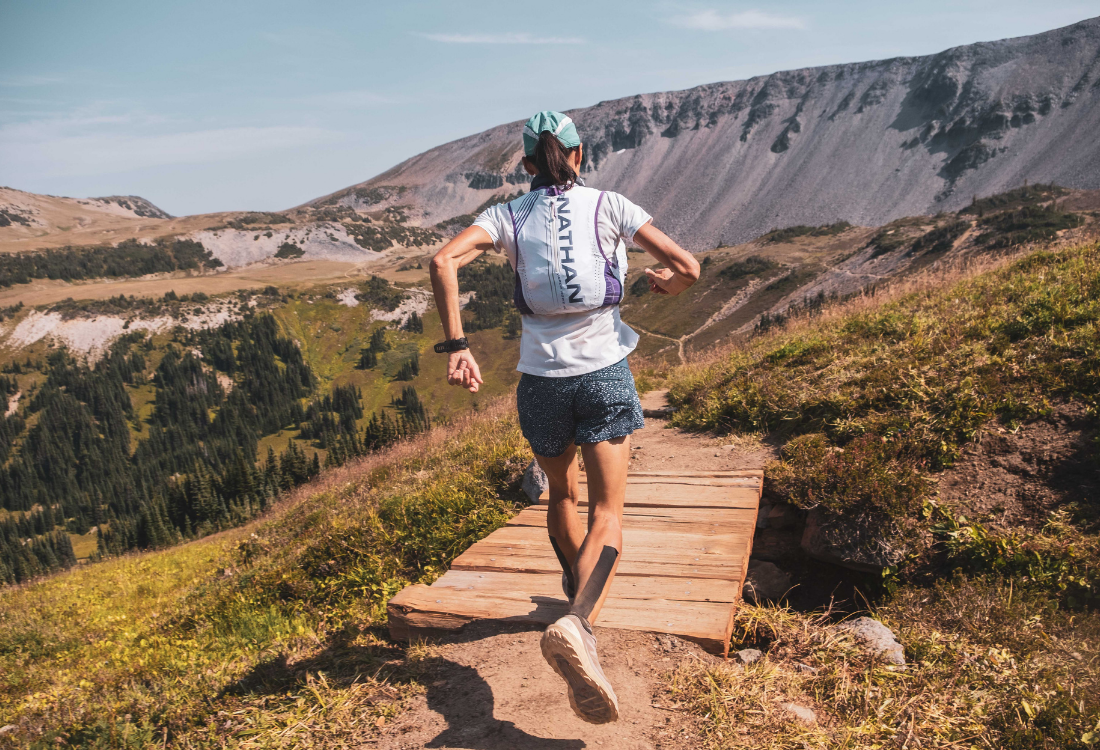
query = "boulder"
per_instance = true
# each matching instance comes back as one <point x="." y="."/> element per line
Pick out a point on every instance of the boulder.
<point x="874" y="637"/>
<point x="776" y="545"/>
<point x="765" y="581"/>
<point x="750" y="655"/>
<point x="534" y="482"/>
<point x="782" y="516"/>
<point x="762" y="515"/>
<point x="800" y="713"/>
<point x="864" y="543"/>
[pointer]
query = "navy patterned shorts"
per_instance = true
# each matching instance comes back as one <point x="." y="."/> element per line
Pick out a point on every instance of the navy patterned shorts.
<point x="589" y="408"/>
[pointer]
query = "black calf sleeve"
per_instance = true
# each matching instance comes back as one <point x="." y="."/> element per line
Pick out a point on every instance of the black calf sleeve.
<point x="587" y="598"/>
<point x="565" y="566"/>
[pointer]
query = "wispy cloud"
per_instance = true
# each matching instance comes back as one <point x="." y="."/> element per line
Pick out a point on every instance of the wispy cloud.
<point x="82" y="144"/>
<point x="24" y="81"/>
<point x="505" y="38"/>
<point x="713" y="20"/>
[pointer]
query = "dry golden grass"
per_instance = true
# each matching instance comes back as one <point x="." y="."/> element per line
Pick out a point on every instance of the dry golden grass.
<point x="988" y="668"/>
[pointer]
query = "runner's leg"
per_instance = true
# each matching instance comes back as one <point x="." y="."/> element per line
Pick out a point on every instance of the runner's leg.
<point x="598" y="557"/>
<point x="562" y="522"/>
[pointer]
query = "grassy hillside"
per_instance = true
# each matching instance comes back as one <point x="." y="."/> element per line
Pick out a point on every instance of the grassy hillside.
<point x="869" y="401"/>
<point x="269" y="635"/>
<point x="142" y="485"/>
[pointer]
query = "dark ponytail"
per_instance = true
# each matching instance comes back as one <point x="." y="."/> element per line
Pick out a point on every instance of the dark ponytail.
<point x="552" y="160"/>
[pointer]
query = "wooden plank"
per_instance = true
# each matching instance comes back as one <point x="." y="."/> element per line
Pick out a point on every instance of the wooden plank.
<point x="636" y="540"/>
<point x="668" y="564"/>
<point x="712" y="474"/>
<point x="703" y="520"/>
<point x="678" y="496"/>
<point x="623" y="587"/>
<point x="423" y="610"/>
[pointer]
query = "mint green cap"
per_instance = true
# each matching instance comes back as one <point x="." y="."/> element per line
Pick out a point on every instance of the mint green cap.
<point x="557" y="123"/>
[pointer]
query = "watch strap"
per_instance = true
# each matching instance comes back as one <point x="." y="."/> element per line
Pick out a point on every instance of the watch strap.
<point x="452" y="345"/>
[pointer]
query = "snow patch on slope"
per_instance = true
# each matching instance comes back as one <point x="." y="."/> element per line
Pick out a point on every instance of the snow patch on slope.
<point x="321" y="241"/>
<point x="92" y="336"/>
<point x="417" y="301"/>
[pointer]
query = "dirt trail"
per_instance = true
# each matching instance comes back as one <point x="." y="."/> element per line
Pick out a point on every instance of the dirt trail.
<point x="727" y="309"/>
<point x="488" y="687"/>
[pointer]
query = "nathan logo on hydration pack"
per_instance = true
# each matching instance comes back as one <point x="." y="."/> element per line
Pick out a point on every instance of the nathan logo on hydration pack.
<point x="561" y="266"/>
<point x="565" y="243"/>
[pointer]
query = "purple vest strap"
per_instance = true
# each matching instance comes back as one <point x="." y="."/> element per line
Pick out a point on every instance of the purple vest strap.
<point x="613" y="288"/>
<point x="517" y="295"/>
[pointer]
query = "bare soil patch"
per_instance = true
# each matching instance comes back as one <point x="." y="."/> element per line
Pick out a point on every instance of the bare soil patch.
<point x="1017" y="477"/>
<point x="490" y="689"/>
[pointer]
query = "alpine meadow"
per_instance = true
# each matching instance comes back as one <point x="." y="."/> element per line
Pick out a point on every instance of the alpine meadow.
<point x="242" y="507"/>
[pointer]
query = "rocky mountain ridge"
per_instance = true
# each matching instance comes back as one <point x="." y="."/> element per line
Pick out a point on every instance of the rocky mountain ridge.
<point x="862" y="142"/>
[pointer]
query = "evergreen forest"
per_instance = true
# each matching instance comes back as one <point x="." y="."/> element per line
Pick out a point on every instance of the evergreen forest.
<point x="76" y="456"/>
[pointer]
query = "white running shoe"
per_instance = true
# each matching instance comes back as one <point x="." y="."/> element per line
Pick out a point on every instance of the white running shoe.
<point x="570" y="649"/>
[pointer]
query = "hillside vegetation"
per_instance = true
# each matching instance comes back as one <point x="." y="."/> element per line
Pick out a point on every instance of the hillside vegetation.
<point x="1000" y="624"/>
<point x="260" y="637"/>
<point x="172" y="436"/>
<point x="271" y="635"/>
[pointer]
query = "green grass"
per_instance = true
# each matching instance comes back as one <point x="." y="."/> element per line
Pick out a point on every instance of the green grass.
<point x="801" y="230"/>
<point x="869" y="401"/>
<point x="268" y="635"/>
<point x="908" y="383"/>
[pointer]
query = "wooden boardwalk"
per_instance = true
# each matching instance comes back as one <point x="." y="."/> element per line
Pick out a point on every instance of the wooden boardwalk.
<point x="687" y="537"/>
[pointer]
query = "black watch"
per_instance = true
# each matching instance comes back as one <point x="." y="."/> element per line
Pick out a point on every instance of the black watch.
<point x="452" y="345"/>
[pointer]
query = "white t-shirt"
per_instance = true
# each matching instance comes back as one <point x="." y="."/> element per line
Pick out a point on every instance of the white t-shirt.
<point x="558" y="346"/>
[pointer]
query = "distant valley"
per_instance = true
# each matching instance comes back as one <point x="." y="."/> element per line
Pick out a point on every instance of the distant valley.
<point x="148" y="355"/>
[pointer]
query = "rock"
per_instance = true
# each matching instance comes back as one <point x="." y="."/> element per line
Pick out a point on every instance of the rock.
<point x="750" y="655"/>
<point x="801" y="713"/>
<point x="762" y="516"/>
<point x="864" y="543"/>
<point x="776" y="545"/>
<point x="765" y="582"/>
<point x="782" y="516"/>
<point x="668" y="643"/>
<point x="534" y="482"/>
<point x="875" y="637"/>
<point x="805" y="668"/>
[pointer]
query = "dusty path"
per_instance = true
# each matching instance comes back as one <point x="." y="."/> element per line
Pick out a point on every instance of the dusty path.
<point x="488" y="687"/>
<point x="723" y="312"/>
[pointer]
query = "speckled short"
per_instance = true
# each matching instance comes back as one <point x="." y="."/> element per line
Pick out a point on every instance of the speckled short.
<point x="589" y="408"/>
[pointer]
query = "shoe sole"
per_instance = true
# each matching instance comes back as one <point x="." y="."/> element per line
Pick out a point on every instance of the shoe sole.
<point x="588" y="697"/>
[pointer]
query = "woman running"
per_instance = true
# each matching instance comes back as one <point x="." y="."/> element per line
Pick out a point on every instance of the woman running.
<point x="567" y="246"/>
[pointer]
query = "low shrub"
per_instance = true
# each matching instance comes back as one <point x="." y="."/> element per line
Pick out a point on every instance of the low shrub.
<point x="801" y="230"/>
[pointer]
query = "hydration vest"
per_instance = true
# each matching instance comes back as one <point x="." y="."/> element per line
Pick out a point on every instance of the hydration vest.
<point x="561" y="265"/>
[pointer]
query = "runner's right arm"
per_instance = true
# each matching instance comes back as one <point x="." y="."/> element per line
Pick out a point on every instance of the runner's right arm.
<point x="462" y="369"/>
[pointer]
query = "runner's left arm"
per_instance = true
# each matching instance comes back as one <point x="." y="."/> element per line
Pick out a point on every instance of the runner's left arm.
<point x="681" y="269"/>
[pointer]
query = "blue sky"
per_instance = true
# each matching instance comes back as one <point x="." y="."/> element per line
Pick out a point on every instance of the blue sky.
<point x="207" y="106"/>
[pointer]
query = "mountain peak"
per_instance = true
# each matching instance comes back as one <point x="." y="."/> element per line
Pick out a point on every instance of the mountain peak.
<point x="862" y="142"/>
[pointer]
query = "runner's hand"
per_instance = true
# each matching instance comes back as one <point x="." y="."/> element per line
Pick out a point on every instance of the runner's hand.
<point x="462" y="370"/>
<point x="665" y="281"/>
